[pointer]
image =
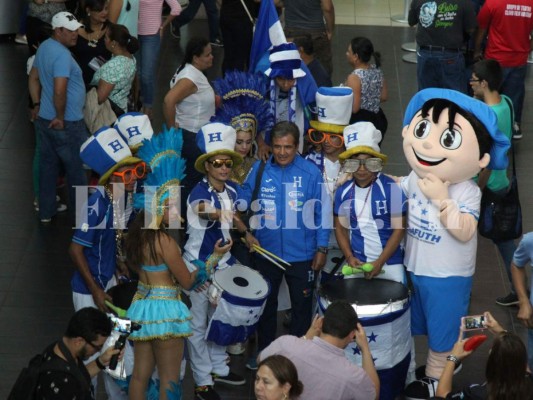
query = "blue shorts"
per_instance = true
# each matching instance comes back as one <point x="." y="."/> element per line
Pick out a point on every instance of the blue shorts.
<point x="437" y="306"/>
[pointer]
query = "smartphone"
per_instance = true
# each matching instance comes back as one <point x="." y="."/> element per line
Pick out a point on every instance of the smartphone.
<point x="473" y="322"/>
<point x="225" y="243"/>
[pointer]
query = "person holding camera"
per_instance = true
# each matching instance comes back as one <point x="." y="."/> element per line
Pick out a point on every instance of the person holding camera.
<point x="320" y="352"/>
<point x="506" y="368"/>
<point x="64" y="375"/>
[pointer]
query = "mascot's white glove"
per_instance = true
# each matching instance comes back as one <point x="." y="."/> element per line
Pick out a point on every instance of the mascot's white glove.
<point x="462" y="226"/>
<point x="434" y="189"/>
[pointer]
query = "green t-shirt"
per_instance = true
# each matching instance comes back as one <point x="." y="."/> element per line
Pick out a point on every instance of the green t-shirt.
<point x="498" y="179"/>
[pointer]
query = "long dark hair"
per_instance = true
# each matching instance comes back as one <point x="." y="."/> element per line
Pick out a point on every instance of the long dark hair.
<point x="121" y="35"/>
<point x="195" y="47"/>
<point x="93" y="5"/>
<point x="364" y="49"/>
<point x="139" y="239"/>
<point x="506" y="369"/>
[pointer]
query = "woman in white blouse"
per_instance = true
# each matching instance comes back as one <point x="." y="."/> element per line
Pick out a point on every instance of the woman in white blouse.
<point x="189" y="105"/>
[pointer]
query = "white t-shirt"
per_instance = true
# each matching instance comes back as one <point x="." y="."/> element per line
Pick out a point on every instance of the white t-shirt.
<point x="194" y="111"/>
<point x="430" y="249"/>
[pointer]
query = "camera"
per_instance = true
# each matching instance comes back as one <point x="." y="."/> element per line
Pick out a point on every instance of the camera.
<point x="122" y="328"/>
<point x="473" y="322"/>
<point x="124" y="325"/>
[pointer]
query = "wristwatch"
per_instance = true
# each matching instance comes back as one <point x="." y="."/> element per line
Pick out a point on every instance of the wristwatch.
<point x="454" y="359"/>
<point x="33" y="105"/>
<point x="322" y="249"/>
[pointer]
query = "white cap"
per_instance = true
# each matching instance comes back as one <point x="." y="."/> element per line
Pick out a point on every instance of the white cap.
<point x="134" y="127"/>
<point x="362" y="137"/>
<point x="64" y="19"/>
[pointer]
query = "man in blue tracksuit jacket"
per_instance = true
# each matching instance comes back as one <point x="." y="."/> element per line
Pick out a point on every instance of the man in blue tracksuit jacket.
<point x="293" y="221"/>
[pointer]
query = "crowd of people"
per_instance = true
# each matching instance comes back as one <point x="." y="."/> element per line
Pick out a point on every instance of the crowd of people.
<point x="261" y="188"/>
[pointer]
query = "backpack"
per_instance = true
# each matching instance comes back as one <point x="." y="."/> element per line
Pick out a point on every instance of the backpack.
<point x="26" y="384"/>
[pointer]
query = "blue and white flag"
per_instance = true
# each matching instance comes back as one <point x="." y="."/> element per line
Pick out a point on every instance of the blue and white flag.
<point x="234" y="319"/>
<point x="268" y="33"/>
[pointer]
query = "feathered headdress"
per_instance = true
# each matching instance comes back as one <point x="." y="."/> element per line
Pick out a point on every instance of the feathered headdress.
<point x="243" y="102"/>
<point x="162" y="153"/>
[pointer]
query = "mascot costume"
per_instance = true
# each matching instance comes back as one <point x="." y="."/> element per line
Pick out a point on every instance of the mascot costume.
<point x="448" y="138"/>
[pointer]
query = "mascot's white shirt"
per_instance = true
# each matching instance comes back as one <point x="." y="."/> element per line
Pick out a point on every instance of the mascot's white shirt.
<point x="430" y="249"/>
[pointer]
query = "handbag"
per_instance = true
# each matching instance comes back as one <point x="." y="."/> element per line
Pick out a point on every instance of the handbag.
<point x="500" y="216"/>
<point x="97" y="115"/>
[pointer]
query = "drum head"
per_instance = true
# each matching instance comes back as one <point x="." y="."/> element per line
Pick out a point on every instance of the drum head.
<point x="364" y="292"/>
<point x="241" y="281"/>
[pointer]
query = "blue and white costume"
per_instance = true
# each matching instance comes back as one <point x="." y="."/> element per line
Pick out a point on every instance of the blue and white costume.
<point x="370" y="216"/>
<point x="438" y="263"/>
<point x="159" y="310"/>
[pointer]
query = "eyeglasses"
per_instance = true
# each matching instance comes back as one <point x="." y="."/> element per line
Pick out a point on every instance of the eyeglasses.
<point x="219" y="163"/>
<point x="475" y="80"/>
<point x="318" y="137"/>
<point x="127" y="175"/>
<point x="371" y="164"/>
<point x="94" y="346"/>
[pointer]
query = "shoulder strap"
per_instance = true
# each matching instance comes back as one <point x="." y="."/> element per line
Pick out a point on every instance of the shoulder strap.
<point x="248" y="13"/>
<point x="74" y="367"/>
<point x="511" y="109"/>
<point x="258" y="180"/>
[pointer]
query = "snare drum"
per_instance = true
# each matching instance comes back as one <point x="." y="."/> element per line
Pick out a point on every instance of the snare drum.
<point x="240" y="294"/>
<point x="383" y="309"/>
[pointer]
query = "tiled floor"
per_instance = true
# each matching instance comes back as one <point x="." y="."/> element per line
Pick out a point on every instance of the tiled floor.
<point x="35" y="299"/>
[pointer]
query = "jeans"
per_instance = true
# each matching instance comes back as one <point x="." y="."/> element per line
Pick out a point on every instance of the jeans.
<point x="441" y="69"/>
<point x="301" y="281"/>
<point x="507" y="249"/>
<point x="514" y="87"/>
<point x="530" y="348"/>
<point x="147" y="58"/>
<point x="189" y="13"/>
<point x="59" y="147"/>
<point x="36" y="165"/>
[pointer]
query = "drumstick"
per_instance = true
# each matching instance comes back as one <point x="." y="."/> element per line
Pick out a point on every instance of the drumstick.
<point x="261" y="249"/>
<point x="266" y="253"/>
<point x="272" y="260"/>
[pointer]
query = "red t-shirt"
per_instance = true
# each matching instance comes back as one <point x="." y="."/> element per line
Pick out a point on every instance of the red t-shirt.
<point x="509" y="23"/>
